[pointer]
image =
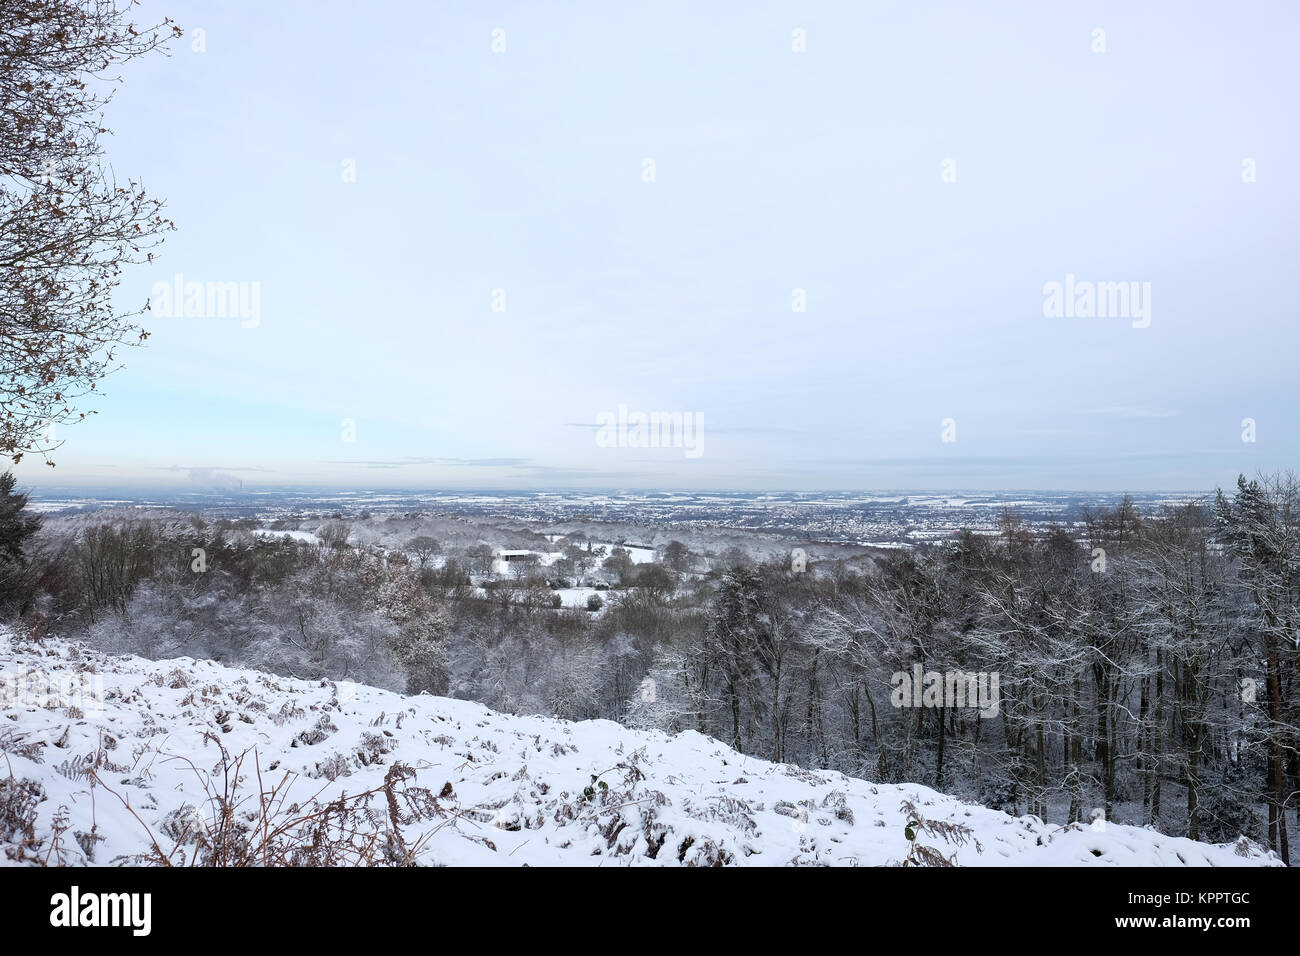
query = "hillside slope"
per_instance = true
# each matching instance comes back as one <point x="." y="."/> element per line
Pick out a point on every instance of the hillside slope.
<point x="157" y="772"/>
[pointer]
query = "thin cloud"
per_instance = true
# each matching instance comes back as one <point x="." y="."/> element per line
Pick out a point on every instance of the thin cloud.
<point x="1134" y="411"/>
<point x="447" y="462"/>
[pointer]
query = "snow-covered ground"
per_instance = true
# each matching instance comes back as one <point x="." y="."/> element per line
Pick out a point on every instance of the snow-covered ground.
<point x="578" y="597"/>
<point x="637" y="554"/>
<point x="569" y="597"/>
<point x="505" y="790"/>
<point x="295" y="535"/>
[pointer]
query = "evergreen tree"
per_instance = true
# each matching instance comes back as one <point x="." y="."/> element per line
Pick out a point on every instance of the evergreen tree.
<point x="17" y="525"/>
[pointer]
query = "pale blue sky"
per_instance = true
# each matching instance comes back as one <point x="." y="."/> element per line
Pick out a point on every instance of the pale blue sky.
<point x="775" y="170"/>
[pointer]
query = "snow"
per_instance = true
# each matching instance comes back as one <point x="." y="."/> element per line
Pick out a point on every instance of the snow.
<point x="510" y="787"/>
<point x="569" y="597"/>
<point x="295" y="535"/>
<point x="577" y="597"/>
<point x="638" y="554"/>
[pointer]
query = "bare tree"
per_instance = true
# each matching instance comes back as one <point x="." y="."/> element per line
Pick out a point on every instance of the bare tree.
<point x="67" y="225"/>
<point x="334" y="534"/>
<point x="424" y="548"/>
<point x="1261" y="525"/>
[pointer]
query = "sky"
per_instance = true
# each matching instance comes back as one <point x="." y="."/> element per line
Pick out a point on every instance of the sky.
<point x="823" y="233"/>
